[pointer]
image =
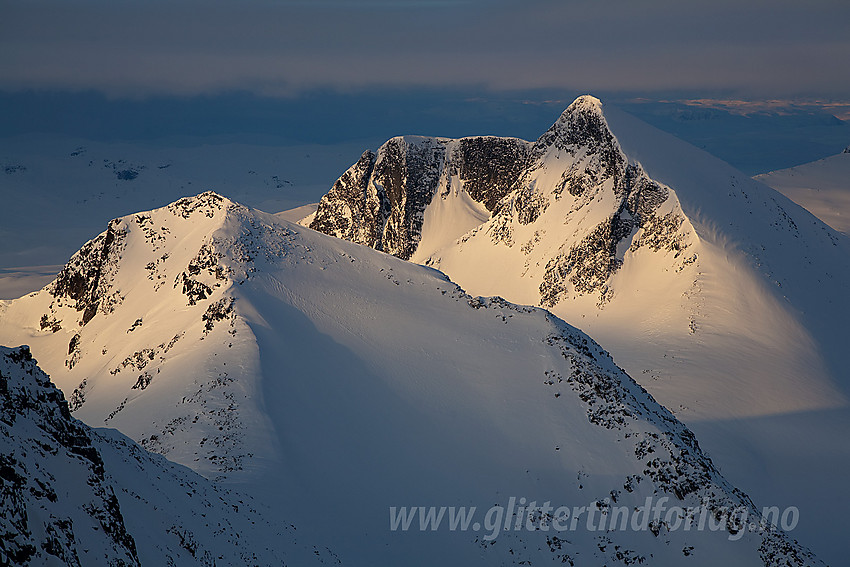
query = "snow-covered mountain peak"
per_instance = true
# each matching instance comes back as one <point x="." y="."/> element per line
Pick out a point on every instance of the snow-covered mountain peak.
<point x="582" y="124"/>
<point x="605" y="214"/>
<point x="576" y="214"/>
<point x="588" y="103"/>
<point x="208" y="203"/>
<point x="584" y="107"/>
<point x="87" y="281"/>
<point x="151" y="282"/>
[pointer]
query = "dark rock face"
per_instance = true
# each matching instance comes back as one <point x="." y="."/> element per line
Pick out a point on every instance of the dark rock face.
<point x="81" y="279"/>
<point x="408" y="173"/>
<point x="489" y="167"/>
<point x="585" y="267"/>
<point x="380" y="201"/>
<point x="37" y="432"/>
<point x="350" y="211"/>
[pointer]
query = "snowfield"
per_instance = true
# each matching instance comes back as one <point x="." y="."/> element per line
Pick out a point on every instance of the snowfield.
<point x="76" y="185"/>
<point x="822" y="187"/>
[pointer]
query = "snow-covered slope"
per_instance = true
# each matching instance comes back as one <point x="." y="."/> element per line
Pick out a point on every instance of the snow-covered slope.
<point x="337" y="382"/>
<point x="593" y="226"/>
<point x="822" y="187"/>
<point x="73" y="495"/>
<point x="753" y="136"/>
<point x="727" y="301"/>
<point x="299" y="214"/>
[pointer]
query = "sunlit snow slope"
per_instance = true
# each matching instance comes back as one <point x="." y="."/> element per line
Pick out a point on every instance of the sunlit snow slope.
<point x="336" y="382"/>
<point x="723" y="298"/>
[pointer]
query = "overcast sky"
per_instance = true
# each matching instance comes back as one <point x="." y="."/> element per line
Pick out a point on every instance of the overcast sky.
<point x="128" y="48"/>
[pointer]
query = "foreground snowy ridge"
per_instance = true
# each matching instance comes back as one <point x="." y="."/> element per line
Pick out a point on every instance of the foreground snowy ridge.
<point x="73" y="495"/>
<point x="336" y="382"/>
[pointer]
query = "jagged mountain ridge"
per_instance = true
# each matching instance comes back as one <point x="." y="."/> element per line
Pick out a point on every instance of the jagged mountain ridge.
<point x="381" y="199"/>
<point x="331" y="379"/>
<point x="73" y="495"/>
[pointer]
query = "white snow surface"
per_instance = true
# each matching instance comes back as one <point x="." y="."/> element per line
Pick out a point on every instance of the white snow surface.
<point x="452" y="213"/>
<point x="822" y="187"/>
<point x="298" y="214"/>
<point x="334" y="382"/>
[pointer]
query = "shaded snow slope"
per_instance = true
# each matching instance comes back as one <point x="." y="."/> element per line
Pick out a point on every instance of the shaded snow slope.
<point x="337" y="382"/>
<point x="298" y="214"/>
<point x="73" y="495"/>
<point x="726" y="300"/>
<point x="822" y="187"/>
